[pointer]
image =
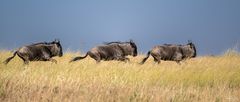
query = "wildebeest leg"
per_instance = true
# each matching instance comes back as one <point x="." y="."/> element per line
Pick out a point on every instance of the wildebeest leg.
<point x="53" y="60"/>
<point x="157" y="59"/>
<point x="26" y="62"/>
<point x="178" y="62"/>
<point x="24" y="58"/>
<point x="123" y="59"/>
<point x="127" y="59"/>
<point x="184" y="60"/>
<point x="95" y="56"/>
<point x="48" y="58"/>
<point x="178" y="58"/>
<point x="98" y="60"/>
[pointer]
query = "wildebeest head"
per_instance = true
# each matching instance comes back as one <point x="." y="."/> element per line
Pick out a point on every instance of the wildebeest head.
<point x="193" y="49"/>
<point x="134" y="48"/>
<point x="57" y="50"/>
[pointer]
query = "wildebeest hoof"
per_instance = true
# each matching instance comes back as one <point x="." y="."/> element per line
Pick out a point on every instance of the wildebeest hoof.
<point x="53" y="60"/>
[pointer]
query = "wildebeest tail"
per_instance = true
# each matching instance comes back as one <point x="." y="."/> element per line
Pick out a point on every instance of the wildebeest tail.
<point x="79" y="58"/>
<point x="10" y="58"/>
<point x="148" y="54"/>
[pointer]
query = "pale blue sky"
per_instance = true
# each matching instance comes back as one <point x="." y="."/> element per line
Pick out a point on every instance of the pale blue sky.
<point x="214" y="25"/>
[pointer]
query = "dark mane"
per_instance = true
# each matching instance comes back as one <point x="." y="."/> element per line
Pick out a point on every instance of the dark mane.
<point x="47" y="43"/>
<point x="172" y="44"/>
<point x="115" y="42"/>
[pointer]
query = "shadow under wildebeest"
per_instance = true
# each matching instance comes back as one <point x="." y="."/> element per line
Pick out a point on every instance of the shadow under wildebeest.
<point x="111" y="51"/>
<point x="43" y="51"/>
<point x="172" y="52"/>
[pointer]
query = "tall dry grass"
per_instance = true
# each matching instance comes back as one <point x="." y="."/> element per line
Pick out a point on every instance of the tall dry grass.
<point x="203" y="79"/>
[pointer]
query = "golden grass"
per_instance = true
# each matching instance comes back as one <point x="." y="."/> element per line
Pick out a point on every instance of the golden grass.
<point x="201" y="79"/>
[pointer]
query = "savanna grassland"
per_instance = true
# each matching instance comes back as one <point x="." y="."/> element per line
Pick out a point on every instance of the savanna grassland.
<point x="201" y="79"/>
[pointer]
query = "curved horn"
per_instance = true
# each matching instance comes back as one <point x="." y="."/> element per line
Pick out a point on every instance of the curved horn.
<point x="131" y="41"/>
<point x="57" y="40"/>
<point x="189" y="41"/>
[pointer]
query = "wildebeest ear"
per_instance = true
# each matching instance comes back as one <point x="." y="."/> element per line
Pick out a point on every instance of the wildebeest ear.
<point x="57" y="41"/>
<point x="131" y="41"/>
<point x="189" y="41"/>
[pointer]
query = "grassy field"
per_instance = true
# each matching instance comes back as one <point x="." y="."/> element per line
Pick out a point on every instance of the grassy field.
<point x="201" y="79"/>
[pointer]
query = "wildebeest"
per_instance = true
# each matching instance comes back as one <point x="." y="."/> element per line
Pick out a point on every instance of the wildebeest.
<point x="111" y="51"/>
<point x="172" y="52"/>
<point x="43" y="51"/>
